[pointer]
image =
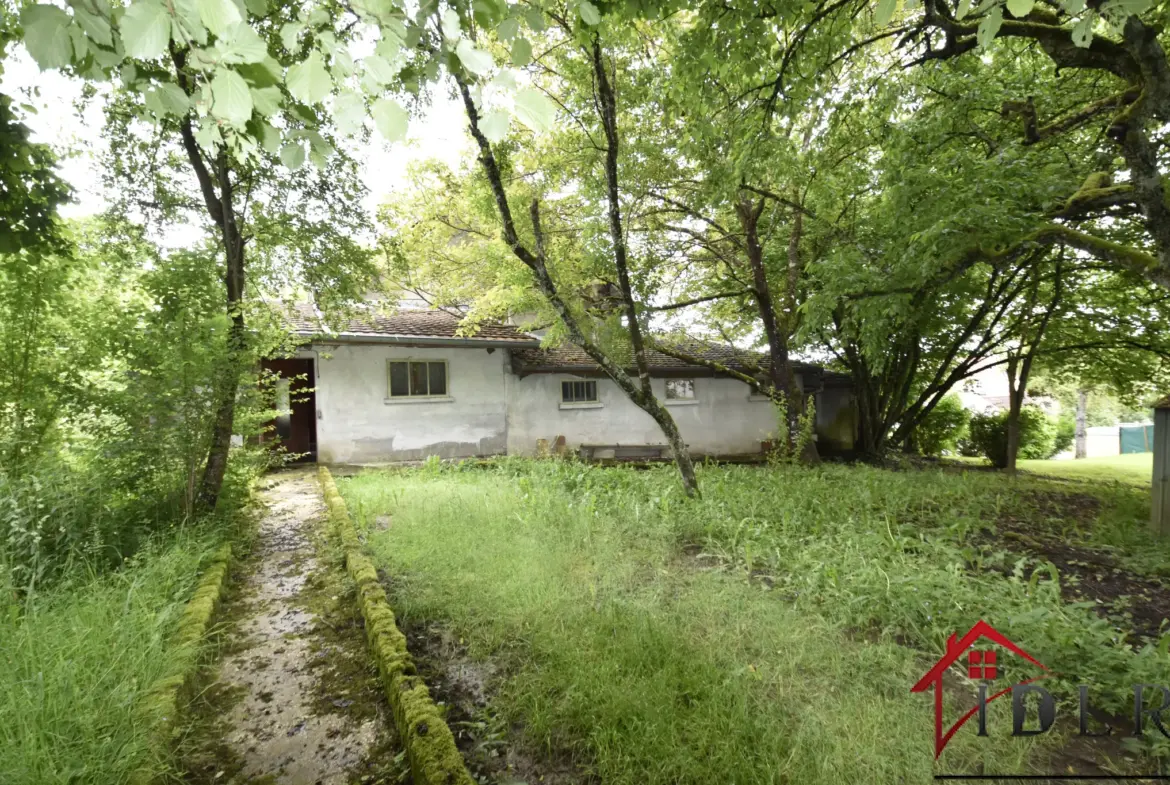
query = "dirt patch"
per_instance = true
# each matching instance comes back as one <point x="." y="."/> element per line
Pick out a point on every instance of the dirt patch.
<point x="294" y="700"/>
<point x="1043" y="526"/>
<point x="494" y="750"/>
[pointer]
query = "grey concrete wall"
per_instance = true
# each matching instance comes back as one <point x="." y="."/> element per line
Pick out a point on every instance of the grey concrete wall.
<point x="723" y="419"/>
<point x="490" y="411"/>
<point x="357" y="423"/>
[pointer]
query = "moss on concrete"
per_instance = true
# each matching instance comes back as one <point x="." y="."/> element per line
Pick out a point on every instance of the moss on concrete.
<point x="430" y="745"/>
<point x="160" y="707"/>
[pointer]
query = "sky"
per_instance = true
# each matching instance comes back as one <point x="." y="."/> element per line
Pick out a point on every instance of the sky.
<point x="76" y="136"/>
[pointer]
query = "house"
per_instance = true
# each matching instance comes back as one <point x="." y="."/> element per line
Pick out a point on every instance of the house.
<point x="409" y="385"/>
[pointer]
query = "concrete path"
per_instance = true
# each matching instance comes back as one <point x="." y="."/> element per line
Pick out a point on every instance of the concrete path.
<point x="302" y="704"/>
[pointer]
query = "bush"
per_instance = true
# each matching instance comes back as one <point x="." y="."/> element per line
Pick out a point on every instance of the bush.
<point x="1037" y="434"/>
<point x="942" y="429"/>
<point x="1066" y="433"/>
<point x="989" y="435"/>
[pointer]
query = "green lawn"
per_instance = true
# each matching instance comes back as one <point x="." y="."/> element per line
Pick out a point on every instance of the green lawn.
<point x="767" y="633"/>
<point x="1132" y="469"/>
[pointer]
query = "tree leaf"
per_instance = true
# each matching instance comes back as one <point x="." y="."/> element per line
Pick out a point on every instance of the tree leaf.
<point x="508" y="29"/>
<point x="146" y="29"/>
<point x="521" y="52"/>
<point x="218" y="15"/>
<point x="292" y="155"/>
<point x="390" y="119"/>
<point x="389" y="47"/>
<point x="451" y="28"/>
<point x="167" y="99"/>
<point x="243" y="45"/>
<point x="476" y="61"/>
<point x="989" y="26"/>
<point x="208" y="135"/>
<point x="289" y="33"/>
<point x="535" y="19"/>
<point x="349" y="112"/>
<point x="309" y="81"/>
<point x="187" y="27"/>
<point x="885" y="12"/>
<point x="269" y="138"/>
<point x="1128" y="7"/>
<point x="256" y="7"/>
<point x="342" y="62"/>
<point x="46" y="35"/>
<point x="1020" y="8"/>
<point x="266" y="100"/>
<point x="265" y="73"/>
<point x="589" y="13"/>
<point x="231" y="100"/>
<point x="96" y="27"/>
<point x="381" y="71"/>
<point x="534" y="109"/>
<point x="1082" y="33"/>
<point x="495" y="125"/>
<point x="963" y="10"/>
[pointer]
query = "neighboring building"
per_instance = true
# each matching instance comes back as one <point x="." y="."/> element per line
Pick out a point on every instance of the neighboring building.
<point x="409" y="386"/>
<point x="988" y="391"/>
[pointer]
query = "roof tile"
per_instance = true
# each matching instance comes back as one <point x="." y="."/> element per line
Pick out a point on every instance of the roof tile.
<point x="423" y="324"/>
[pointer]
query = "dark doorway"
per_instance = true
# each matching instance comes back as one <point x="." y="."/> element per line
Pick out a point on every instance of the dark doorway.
<point x="295" y="431"/>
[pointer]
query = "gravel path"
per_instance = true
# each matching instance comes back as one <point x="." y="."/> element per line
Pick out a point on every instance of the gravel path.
<point x="305" y="706"/>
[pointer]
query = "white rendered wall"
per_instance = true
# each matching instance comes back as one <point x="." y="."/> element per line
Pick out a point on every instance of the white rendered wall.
<point x="721" y="420"/>
<point x="357" y="423"/>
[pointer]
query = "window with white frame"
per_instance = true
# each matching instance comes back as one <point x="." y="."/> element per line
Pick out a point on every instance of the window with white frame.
<point x="416" y="378"/>
<point x="578" y="392"/>
<point x="680" y="389"/>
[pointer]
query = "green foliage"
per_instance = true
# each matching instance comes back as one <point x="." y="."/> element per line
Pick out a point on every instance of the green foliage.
<point x="942" y="429"/>
<point x="1037" y="435"/>
<point x="989" y="436"/>
<point x="789" y="446"/>
<point x="1065" y="433"/>
<point x="31" y="188"/>
<point x="79" y="659"/>
<point x="111" y="350"/>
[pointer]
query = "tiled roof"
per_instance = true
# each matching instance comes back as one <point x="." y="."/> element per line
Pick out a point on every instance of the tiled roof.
<point x="403" y="324"/>
<point x="569" y="357"/>
<point x="572" y="356"/>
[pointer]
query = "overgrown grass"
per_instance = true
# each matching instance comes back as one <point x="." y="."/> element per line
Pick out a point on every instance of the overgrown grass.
<point x="776" y="655"/>
<point x="78" y="659"/>
<point x="1133" y="469"/>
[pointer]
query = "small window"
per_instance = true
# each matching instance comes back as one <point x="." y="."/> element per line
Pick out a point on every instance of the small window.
<point x="417" y="379"/>
<point x="578" y="392"/>
<point x="680" y="389"/>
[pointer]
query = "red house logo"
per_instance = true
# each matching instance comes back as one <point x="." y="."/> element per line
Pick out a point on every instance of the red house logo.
<point x="982" y="665"/>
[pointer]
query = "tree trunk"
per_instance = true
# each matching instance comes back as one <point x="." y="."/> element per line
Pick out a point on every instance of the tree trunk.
<point x="780" y="366"/>
<point x="535" y="260"/>
<point x="1082" y="433"/>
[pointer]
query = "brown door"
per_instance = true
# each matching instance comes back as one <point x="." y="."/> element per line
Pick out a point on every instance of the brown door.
<point x="295" y="429"/>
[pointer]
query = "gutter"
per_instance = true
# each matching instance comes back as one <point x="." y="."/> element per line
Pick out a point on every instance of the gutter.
<point x="419" y="340"/>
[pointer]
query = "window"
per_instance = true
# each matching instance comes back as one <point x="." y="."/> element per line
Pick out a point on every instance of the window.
<point x="417" y="378"/>
<point x="680" y="389"/>
<point x="578" y="392"/>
